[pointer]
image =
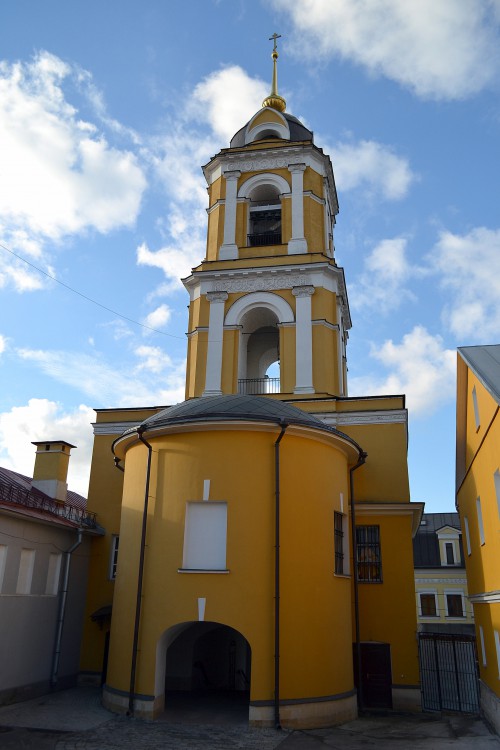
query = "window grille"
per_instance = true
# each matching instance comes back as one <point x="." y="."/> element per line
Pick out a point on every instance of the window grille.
<point x="339" y="543"/>
<point x="368" y="558"/>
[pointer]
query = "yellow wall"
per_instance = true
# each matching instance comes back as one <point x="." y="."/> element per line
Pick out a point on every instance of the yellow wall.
<point x="240" y="466"/>
<point x="387" y="610"/>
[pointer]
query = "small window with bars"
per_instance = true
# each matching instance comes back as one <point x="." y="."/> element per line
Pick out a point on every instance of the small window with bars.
<point x="339" y="543"/>
<point x="368" y="557"/>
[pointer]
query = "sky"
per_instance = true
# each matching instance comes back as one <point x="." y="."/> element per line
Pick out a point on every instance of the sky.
<point x="109" y="109"/>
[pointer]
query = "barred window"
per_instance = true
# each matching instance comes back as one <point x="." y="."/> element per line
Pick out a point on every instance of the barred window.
<point x="339" y="543"/>
<point x="368" y="559"/>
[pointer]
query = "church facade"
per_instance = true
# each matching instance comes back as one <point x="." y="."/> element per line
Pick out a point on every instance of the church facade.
<point x="259" y="534"/>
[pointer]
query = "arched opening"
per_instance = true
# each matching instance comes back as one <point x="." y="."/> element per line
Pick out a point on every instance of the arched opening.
<point x="207" y="672"/>
<point x="260" y="348"/>
<point x="264" y="226"/>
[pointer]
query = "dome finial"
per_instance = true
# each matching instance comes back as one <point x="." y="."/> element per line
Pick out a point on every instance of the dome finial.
<point x="274" y="100"/>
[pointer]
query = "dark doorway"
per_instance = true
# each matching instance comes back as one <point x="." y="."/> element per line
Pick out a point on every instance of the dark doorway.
<point x="375" y="674"/>
<point x="207" y="676"/>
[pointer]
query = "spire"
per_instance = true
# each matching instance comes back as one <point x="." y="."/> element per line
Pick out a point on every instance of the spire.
<point x="274" y="100"/>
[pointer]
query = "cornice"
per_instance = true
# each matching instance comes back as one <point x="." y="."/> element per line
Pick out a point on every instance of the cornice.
<point x="392" y="509"/>
<point x="487" y="597"/>
<point x="392" y="416"/>
<point x="113" y="428"/>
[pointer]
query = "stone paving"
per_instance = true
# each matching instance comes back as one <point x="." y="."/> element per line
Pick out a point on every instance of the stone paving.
<point x="75" y="720"/>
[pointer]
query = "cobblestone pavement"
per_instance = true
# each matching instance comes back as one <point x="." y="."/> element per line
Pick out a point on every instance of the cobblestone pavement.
<point x="122" y="733"/>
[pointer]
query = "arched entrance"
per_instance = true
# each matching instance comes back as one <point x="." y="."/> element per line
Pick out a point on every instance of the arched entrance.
<point x="207" y="673"/>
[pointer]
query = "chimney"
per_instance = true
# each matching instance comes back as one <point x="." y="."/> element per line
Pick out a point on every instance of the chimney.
<point x="51" y="468"/>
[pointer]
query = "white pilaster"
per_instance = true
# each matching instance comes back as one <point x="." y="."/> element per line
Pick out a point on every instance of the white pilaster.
<point x="229" y="249"/>
<point x="215" y="334"/>
<point x="297" y="244"/>
<point x="303" y="340"/>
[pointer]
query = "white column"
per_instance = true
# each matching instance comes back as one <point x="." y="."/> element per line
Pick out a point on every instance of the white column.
<point x="297" y="244"/>
<point x="229" y="249"/>
<point x="303" y="340"/>
<point x="215" y="333"/>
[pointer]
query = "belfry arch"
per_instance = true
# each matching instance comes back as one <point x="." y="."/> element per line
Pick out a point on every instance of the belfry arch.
<point x="258" y="316"/>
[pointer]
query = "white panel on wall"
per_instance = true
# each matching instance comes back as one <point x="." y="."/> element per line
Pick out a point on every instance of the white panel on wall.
<point x="3" y="560"/>
<point x="25" y="576"/>
<point x="205" y="536"/>
<point x="53" y="573"/>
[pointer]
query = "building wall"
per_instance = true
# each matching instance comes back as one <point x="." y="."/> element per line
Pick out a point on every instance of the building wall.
<point x="29" y="606"/>
<point x="480" y="459"/>
<point x="316" y="633"/>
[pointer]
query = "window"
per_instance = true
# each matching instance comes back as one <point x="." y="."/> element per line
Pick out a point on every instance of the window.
<point x="368" y="559"/>
<point x="205" y="536"/>
<point x="496" y="479"/>
<point x="265" y="226"/>
<point x="454" y="605"/>
<point x="476" y="408"/>
<point x="467" y="535"/>
<point x="480" y="520"/>
<point x="428" y="606"/>
<point x="53" y="572"/>
<point x="497" y="646"/>
<point x="339" y="542"/>
<point x="25" y="574"/>
<point x="481" y="641"/>
<point x="114" y="556"/>
<point x="450" y="556"/>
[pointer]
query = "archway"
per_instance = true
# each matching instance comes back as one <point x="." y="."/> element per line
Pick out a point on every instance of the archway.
<point x="207" y="673"/>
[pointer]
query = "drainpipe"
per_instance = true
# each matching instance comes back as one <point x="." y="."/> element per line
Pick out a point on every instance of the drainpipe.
<point x="357" y="644"/>
<point x="117" y="464"/>
<point x="62" y="610"/>
<point x="130" y="711"/>
<point x="277" y="722"/>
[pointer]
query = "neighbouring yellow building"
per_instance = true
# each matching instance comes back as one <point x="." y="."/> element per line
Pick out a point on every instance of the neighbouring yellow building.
<point x="478" y="502"/>
<point x="259" y="534"/>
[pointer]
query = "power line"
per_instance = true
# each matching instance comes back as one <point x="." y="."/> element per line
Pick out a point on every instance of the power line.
<point x="89" y="299"/>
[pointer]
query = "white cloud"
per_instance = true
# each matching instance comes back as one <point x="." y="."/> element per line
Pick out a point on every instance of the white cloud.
<point x="153" y="358"/>
<point x="158" y="317"/>
<point x="108" y="384"/>
<point x="41" y="419"/>
<point x="227" y="99"/>
<point x="469" y="266"/>
<point x="445" y="49"/>
<point x="385" y="273"/>
<point x="59" y="174"/>
<point x="420" y="367"/>
<point x="3" y="344"/>
<point x="371" y="165"/>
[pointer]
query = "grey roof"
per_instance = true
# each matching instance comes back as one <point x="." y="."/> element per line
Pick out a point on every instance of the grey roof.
<point x="24" y="483"/>
<point x="426" y="543"/>
<point x="298" y="132"/>
<point x="484" y="361"/>
<point x="223" y="408"/>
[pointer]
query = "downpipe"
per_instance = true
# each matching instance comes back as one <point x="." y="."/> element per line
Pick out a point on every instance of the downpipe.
<point x="277" y="721"/>
<point x="357" y="643"/>
<point x="138" y="604"/>
<point x="62" y="611"/>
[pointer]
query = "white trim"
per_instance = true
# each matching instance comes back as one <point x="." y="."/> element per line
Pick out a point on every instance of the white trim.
<point x="25" y="572"/>
<point x="454" y="592"/>
<point x="326" y="324"/>
<point x="392" y="416"/>
<point x="282" y="129"/>
<point x="428" y="592"/>
<point x="450" y="581"/>
<point x="273" y="302"/>
<point x="393" y="509"/>
<point x="303" y="340"/>
<point x="3" y="559"/>
<point x="496" y="481"/>
<point x="201" y="608"/>
<point x="475" y="405"/>
<point x="229" y="250"/>
<point x="206" y="489"/>
<point x="487" y="597"/>
<point x="213" y="376"/>
<point x="297" y="244"/>
<point x="266" y="178"/>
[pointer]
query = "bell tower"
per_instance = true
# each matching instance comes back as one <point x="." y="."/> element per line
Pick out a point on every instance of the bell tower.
<point x="269" y="293"/>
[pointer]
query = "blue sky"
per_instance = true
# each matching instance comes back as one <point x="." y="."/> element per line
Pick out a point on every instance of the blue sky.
<point x="108" y="110"/>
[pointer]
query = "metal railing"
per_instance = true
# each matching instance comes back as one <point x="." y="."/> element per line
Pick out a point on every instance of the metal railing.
<point x="30" y="498"/>
<point x="264" y="238"/>
<point x="256" y="386"/>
